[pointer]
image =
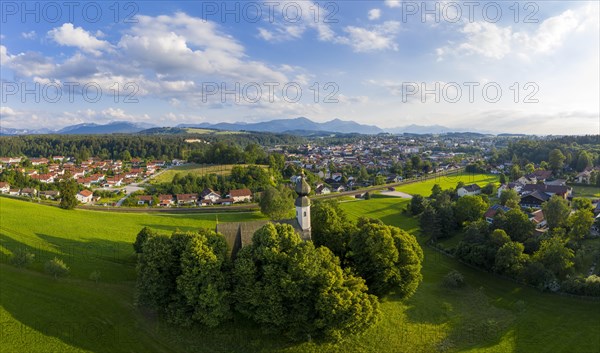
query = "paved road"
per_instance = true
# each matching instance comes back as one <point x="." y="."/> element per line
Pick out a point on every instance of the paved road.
<point x="133" y="187"/>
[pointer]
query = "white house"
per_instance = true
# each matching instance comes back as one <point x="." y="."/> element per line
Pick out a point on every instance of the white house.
<point x="85" y="196"/>
<point x="4" y="187"/>
<point x="470" y="190"/>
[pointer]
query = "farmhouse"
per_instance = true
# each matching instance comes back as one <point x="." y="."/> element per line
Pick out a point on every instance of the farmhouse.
<point x="534" y="199"/>
<point x="187" y="199"/>
<point x="240" y="195"/>
<point x="85" y="196"/>
<point x="30" y="192"/>
<point x="210" y="195"/>
<point x="165" y="200"/>
<point x="470" y="190"/>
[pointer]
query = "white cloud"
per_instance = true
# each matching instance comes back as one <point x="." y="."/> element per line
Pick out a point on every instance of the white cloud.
<point x="379" y="37"/>
<point x="393" y="3"/>
<point x="29" y="35"/>
<point x="7" y="111"/>
<point x="374" y="14"/>
<point x="68" y="35"/>
<point x="494" y="41"/>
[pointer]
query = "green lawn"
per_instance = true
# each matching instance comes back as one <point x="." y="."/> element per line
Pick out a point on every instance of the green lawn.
<point x="448" y="181"/>
<point x="586" y="191"/>
<point x="39" y="314"/>
<point x="167" y="176"/>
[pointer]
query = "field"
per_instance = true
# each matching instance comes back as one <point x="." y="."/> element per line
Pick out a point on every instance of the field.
<point x="40" y="314"/>
<point x="448" y="181"/>
<point x="167" y="176"/>
<point x="586" y="191"/>
<point x="195" y="130"/>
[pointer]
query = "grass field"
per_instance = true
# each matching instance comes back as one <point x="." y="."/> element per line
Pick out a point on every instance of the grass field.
<point x="195" y="130"/>
<point x="586" y="191"/>
<point x="39" y="314"/>
<point x="448" y="181"/>
<point x="167" y="176"/>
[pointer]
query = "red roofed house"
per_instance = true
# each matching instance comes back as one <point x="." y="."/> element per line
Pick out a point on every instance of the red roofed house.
<point x="240" y="195"/>
<point x="85" y="196"/>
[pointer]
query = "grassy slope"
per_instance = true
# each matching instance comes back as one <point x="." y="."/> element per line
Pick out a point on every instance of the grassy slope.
<point x="448" y="181"/>
<point x="490" y="315"/>
<point x="586" y="191"/>
<point x="197" y="169"/>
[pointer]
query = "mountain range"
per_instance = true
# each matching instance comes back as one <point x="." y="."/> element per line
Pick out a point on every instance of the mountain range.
<point x="297" y="126"/>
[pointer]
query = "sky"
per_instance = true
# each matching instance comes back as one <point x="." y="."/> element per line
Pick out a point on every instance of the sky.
<point x="490" y="66"/>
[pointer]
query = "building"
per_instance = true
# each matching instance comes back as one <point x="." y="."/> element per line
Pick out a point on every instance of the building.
<point x="4" y="187"/>
<point x="210" y="195"/>
<point x="493" y="211"/>
<point x="239" y="234"/>
<point x="240" y="195"/>
<point x="534" y="199"/>
<point x="469" y="190"/>
<point x="85" y="196"/>
<point x="187" y="199"/>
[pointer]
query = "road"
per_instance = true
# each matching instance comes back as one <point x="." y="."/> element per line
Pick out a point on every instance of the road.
<point x="133" y="187"/>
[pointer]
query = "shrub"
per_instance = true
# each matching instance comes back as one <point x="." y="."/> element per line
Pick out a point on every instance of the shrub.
<point x="453" y="280"/>
<point x="22" y="258"/>
<point x="95" y="276"/>
<point x="57" y="268"/>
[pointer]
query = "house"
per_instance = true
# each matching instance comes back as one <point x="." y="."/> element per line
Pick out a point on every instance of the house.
<point x="38" y="161"/>
<point x="534" y="199"/>
<point x="165" y="200"/>
<point x="4" y="187"/>
<point x="470" y="190"/>
<point x="85" y="196"/>
<point x="144" y="200"/>
<point x="210" y="195"/>
<point x="187" y="199"/>
<point x="225" y="202"/>
<point x="493" y="210"/>
<point x="510" y="186"/>
<point x="44" y="178"/>
<point x="50" y="194"/>
<point x="14" y="192"/>
<point x="116" y="180"/>
<point x="537" y="218"/>
<point x="240" y="195"/>
<point x="584" y="177"/>
<point x="540" y="175"/>
<point x="322" y="190"/>
<point x="560" y="190"/>
<point x="30" y="192"/>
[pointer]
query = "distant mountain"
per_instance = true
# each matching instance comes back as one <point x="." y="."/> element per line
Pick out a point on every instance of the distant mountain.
<point x="115" y="127"/>
<point x="7" y="131"/>
<point x="293" y="125"/>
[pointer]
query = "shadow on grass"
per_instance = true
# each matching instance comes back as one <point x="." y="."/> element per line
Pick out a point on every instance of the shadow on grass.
<point x="101" y="317"/>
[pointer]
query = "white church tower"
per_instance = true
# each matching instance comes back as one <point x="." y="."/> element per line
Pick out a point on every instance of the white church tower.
<point x="303" y="207"/>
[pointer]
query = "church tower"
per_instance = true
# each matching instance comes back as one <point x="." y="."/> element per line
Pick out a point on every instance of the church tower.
<point x="303" y="207"/>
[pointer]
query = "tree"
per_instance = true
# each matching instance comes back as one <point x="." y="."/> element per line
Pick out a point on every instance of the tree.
<point x="510" y="258"/>
<point x="141" y="237"/>
<point x="506" y="196"/>
<point x="202" y="292"/>
<point x="555" y="256"/>
<point x="125" y="156"/>
<point x="277" y="203"/>
<point x="417" y="204"/>
<point x="68" y="190"/>
<point x="155" y="268"/>
<point x="556" y="211"/>
<point x="430" y="224"/>
<point x="556" y="160"/>
<point x="469" y="208"/>
<point x="529" y="168"/>
<point x="436" y="190"/>
<point x="22" y="258"/>
<point x="290" y="287"/>
<point x="498" y="238"/>
<point x="331" y="228"/>
<point x="584" y="160"/>
<point x="581" y="203"/>
<point x="453" y="280"/>
<point x="580" y="223"/>
<point x="489" y="189"/>
<point x="363" y="175"/>
<point x="388" y="258"/>
<point x="502" y="178"/>
<point x="516" y="224"/>
<point x="56" y="267"/>
<point x="515" y="172"/>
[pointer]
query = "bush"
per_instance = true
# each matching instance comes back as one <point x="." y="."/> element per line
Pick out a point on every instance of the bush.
<point x="95" y="276"/>
<point x="453" y="280"/>
<point x="57" y="268"/>
<point x="22" y="258"/>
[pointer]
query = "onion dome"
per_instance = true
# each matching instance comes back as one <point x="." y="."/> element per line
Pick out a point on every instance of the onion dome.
<point x="302" y="187"/>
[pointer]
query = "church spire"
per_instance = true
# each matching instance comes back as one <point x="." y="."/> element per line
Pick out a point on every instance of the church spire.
<point x="302" y="204"/>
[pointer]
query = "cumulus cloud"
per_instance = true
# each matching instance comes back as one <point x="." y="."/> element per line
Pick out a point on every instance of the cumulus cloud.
<point x="71" y="36"/>
<point x="393" y="3"/>
<point x="374" y="14"/>
<point x="29" y="35"/>
<point x="496" y="42"/>
<point x="375" y="38"/>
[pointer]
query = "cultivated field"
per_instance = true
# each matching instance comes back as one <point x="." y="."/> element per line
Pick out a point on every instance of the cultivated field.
<point x="448" y="181"/>
<point x="197" y="169"/>
<point x="75" y="314"/>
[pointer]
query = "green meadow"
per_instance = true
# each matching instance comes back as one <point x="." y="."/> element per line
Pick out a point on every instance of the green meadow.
<point x="75" y="314"/>
<point x="448" y="181"/>
<point x="196" y="169"/>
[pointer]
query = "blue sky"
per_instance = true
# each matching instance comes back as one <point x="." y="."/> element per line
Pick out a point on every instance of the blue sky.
<point x="529" y="67"/>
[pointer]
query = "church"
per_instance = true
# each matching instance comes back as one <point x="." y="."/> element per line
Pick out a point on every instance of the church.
<point x="239" y="234"/>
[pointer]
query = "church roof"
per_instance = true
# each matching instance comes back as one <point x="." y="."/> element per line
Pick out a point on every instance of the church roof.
<point x="302" y="187"/>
